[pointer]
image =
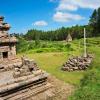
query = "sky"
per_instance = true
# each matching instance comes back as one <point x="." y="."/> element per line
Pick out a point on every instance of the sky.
<point x="45" y="15"/>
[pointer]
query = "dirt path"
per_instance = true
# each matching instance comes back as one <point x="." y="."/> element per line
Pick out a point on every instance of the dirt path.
<point x="62" y="90"/>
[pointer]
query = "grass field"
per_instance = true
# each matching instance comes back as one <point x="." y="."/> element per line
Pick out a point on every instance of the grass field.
<point x="52" y="61"/>
<point x="89" y="88"/>
<point x="87" y="82"/>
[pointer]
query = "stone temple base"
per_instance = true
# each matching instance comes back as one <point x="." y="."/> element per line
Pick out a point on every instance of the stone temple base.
<point x="21" y="79"/>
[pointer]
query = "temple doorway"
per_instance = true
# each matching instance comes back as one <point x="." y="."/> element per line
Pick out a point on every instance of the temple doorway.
<point x="5" y="54"/>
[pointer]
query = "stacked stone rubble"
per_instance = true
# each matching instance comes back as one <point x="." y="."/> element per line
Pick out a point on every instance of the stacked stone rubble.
<point x="77" y="63"/>
<point x="27" y="67"/>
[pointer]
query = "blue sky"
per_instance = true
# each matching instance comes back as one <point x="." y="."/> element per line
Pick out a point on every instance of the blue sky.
<point x="46" y="14"/>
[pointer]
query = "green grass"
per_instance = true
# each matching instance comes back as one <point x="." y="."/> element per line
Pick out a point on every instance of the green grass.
<point x="52" y="61"/>
<point x="51" y="57"/>
<point x="89" y="88"/>
<point x="42" y="46"/>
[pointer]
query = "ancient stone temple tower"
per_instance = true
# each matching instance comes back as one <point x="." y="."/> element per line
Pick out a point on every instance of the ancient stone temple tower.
<point x="20" y="79"/>
<point x="7" y="42"/>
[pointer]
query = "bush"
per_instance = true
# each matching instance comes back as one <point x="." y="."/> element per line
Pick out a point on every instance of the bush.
<point x="42" y="46"/>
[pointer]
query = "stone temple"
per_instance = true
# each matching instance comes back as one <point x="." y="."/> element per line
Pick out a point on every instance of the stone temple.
<point x="7" y="42"/>
<point x="20" y="78"/>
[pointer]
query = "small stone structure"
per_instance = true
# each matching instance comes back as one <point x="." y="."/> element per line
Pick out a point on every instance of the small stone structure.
<point x="69" y="38"/>
<point x="7" y="42"/>
<point x="77" y="63"/>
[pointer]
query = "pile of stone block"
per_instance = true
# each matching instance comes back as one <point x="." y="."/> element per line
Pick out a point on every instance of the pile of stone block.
<point x="27" y="67"/>
<point x="77" y="63"/>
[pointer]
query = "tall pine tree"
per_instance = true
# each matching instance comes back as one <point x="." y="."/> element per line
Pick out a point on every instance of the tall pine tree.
<point x="94" y="22"/>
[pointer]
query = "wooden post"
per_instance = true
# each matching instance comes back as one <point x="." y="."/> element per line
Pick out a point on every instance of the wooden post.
<point x="85" y="52"/>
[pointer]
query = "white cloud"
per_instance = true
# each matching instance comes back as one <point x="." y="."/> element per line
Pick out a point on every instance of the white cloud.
<point x="62" y="14"/>
<point x="66" y="17"/>
<point x="73" y="5"/>
<point x="92" y="4"/>
<point x="40" y="23"/>
<point x="64" y="6"/>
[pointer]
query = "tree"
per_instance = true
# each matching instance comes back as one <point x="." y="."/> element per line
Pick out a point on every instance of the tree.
<point x="94" y="22"/>
<point x="98" y="22"/>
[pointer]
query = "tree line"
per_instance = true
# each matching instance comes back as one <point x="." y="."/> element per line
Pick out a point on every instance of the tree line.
<point x="57" y="35"/>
